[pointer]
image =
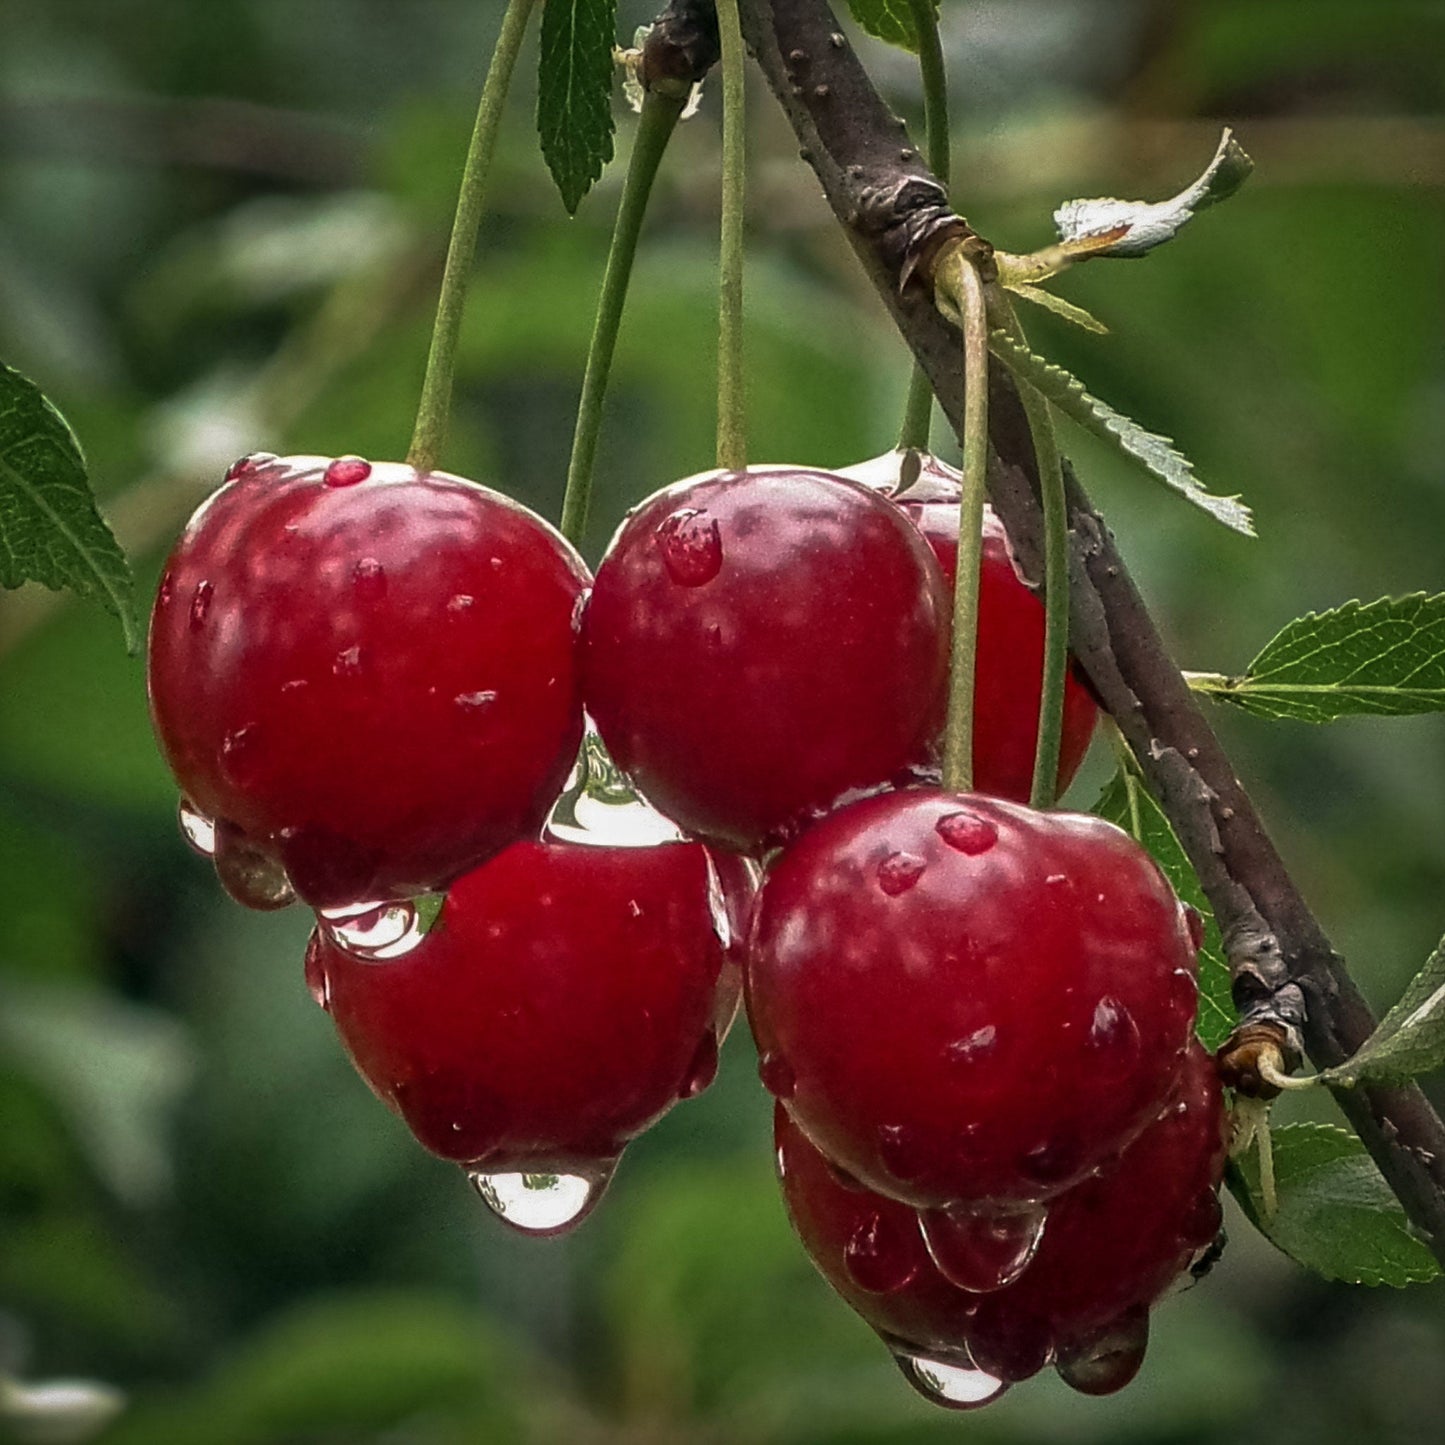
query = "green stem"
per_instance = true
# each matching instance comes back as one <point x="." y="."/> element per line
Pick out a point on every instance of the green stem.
<point x="731" y="431"/>
<point x="1044" y="790"/>
<point x="958" y="737"/>
<point x="436" y="390"/>
<point x="918" y="411"/>
<point x="654" y="129"/>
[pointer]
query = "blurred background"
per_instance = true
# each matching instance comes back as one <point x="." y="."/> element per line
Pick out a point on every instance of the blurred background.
<point x="221" y="228"/>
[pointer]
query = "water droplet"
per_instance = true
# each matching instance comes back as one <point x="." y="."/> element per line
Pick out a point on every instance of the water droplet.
<point x="542" y="1204"/>
<point x="944" y="1382"/>
<point x="347" y="663"/>
<point x="197" y="829"/>
<point x="600" y="807"/>
<point x="1195" y="924"/>
<point x="375" y="932"/>
<point x="314" y="966"/>
<point x="703" y="1068"/>
<point x="241" y="755"/>
<point x="201" y="603"/>
<point x="461" y="604"/>
<point x="967" y="832"/>
<point x="691" y="547"/>
<point x="899" y="1152"/>
<point x="982" y="1252"/>
<point x="1110" y="1359"/>
<point x="1054" y="879"/>
<point x="974" y="1049"/>
<point x="253" y="877"/>
<point x="252" y="462"/>
<point x="369" y="579"/>
<point x="1113" y="1038"/>
<point x="879" y="1256"/>
<point x="165" y="590"/>
<point x="347" y="471"/>
<point x="898" y="872"/>
<point x="474" y="703"/>
<point x="717" y="907"/>
<point x="777" y="1075"/>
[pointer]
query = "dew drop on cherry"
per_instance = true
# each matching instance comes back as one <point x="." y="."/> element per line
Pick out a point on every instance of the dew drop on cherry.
<point x="460" y="604"/>
<point x="1113" y="1040"/>
<point x="314" y="966"/>
<point x="1109" y="1360"/>
<point x="374" y="932"/>
<point x="944" y="1382"/>
<point x="691" y="547"/>
<point x="241" y="755"/>
<point x="369" y="579"/>
<point x="878" y="1257"/>
<point x="982" y="1252"/>
<point x="348" y="663"/>
<point x="967" y="832"/>
<point x="975" y="1050"/>
<point x="702" y="1069"/>
<point x="197" y="829"/>
<point x="347" y="471"/>
<point x="717" y="907"/>
<point x="599" y="806"/>
<point x="474" y="704"/>
<point x="777" y="1076"/>
<point x="251" y="462"/>
<point x="898" y="872"/>
<point x="542" y="1204"/>
<point x="201" y="604"/>
<point x="900" y="1152"/>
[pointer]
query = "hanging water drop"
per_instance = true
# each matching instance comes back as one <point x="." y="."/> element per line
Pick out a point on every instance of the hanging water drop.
<point x="197" y="829"/>
<point x="314" y="970"/>
<point x="599" y="807"/>
<point x="375" y="932"/>
<point x="1109" y="1360"/>
<point x="944" y="1382"/>
<point x="691" y="547"/>
<point x="542" y="1204"/>
<point x="982" y="1252"/>
<point x="717" y="906"/>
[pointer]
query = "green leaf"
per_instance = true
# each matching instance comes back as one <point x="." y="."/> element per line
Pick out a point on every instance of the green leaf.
<point x="574" y="93"/>
<point x="1410" y="1040"/>
<point x="1132" y="228"/>
<point x="890" y="20"/>
<point x="1060" y="307"/>
<point x="1156" y="453"/>
<point x="50" y="530"/>
<point x="1336" y="1215"/>
<point x="1126" y="803"/>
<point x="1384" y="658"/>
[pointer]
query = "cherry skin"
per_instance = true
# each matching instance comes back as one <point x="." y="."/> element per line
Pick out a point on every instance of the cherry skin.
<point x="1112" y="1246"/>
<point x="759" y="644"/>
<point x="366" y="675"/>
<point x="1008" y="676"/>
<point x="565" y="998"/>
<point x="966" y="1003"/>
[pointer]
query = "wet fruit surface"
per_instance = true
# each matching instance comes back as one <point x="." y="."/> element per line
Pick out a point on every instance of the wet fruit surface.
<point x="757" y="645"/>
<point x="366" y="674"/>
<point x="558" y="1006"/>
<point x="1008" y="674"/>
<point x="965" y="1002"/>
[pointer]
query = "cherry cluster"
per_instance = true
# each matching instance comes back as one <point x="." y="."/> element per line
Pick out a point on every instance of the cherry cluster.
<point x="712" y="768"/>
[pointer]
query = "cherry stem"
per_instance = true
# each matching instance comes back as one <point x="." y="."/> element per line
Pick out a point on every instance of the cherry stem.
<point x="731" y="427"/>
<point x="918" y="410"/>
<point x="1054" y="505"/>
<point x="958" y="736"/>
<point x="436" y="390"/>
<point x="660" y="112"/>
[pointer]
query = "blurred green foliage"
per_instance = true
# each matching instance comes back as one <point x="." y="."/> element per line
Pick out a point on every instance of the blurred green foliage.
<point x="220" y="229"/>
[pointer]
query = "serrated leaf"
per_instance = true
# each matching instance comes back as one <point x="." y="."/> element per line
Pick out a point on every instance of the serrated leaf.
<point x="1132" y="228"/>
<point x="50" y="530"/>
<point x="1126" y="803"/>
<point x="1154" y="452"/>
<point x="1385" y="659"/>
<point x="1060" y="307"/>
<point x="1336" y="1215"/>
<point x="890" y="20"/>
<point x="1410" y="1040"/>
<point x="574" y="93"/>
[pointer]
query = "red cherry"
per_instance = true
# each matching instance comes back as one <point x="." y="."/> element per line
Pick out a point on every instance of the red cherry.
<point x="1008" y="675"/>
<point x="367" y="674"/>
<point x="759" y="644"/>
<point x="971" y="1004"/>
<point x="565" y="998"/>
<point x="1111" y="1247"/>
